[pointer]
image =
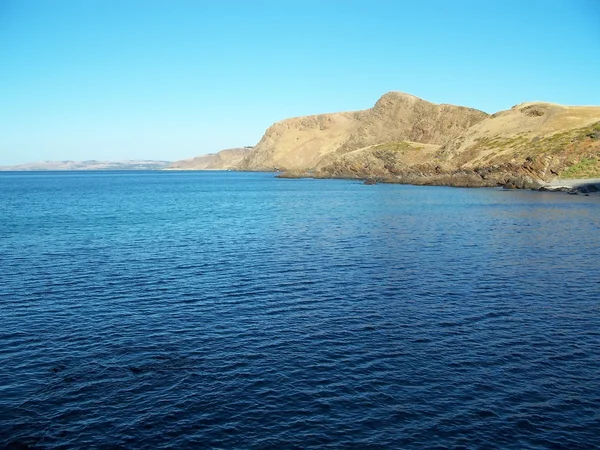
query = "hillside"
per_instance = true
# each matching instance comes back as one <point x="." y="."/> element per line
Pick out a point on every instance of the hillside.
<point x="543" y="138"/>
<point x="304" y="142"/>
<point x="223" y="160"/>
<point x="525" y="146"/>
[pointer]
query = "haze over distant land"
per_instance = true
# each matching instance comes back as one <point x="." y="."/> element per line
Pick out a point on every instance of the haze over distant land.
<point x="166" y="81"/>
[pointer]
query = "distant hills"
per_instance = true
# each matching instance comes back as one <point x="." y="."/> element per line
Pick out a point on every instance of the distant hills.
<point x="223" y="160"/>
<point x="89" y="165"/>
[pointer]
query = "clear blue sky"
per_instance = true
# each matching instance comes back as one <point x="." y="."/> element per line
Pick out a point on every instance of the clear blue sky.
<point x="125" y="79"/>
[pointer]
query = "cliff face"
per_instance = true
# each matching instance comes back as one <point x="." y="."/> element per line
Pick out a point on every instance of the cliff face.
<point x="305" y="142"/>
<point x="223" y="160"/>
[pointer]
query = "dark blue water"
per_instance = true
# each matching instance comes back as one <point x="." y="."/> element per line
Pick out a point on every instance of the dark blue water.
<point x="233" y="310"/>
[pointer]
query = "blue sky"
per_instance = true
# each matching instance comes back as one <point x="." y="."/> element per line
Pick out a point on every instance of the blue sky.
<point x="127" y="79"/>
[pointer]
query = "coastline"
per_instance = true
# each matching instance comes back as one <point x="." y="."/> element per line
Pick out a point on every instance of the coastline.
<point x="572" y="186"/>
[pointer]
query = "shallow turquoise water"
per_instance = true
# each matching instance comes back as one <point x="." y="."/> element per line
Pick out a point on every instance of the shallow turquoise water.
<point x="236" y="310"/>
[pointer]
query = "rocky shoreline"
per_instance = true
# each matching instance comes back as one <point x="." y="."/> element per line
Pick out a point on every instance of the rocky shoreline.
<point x="465" y="179"/>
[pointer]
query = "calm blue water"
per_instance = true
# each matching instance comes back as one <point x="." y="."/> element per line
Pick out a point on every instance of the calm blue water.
<point x="235" y="310"/>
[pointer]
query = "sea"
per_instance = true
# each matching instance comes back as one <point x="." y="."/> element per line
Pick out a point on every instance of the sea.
<point x="162" y="309"/>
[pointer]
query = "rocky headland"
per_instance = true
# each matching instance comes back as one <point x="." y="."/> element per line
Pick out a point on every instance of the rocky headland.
<point x="404" y="139"/>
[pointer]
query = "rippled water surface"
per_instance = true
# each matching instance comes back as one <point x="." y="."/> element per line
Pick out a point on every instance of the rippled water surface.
<point x="234" y="310"/>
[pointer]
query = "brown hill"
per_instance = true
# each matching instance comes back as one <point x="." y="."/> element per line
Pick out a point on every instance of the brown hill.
<point x="543" y="138"/>
<point x="304" y="142"/>
<point x="223" y="160"/>
<point x="529" y="144"/>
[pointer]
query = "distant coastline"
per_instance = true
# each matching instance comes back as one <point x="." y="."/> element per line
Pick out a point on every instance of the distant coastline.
<point x="44" y="166"/>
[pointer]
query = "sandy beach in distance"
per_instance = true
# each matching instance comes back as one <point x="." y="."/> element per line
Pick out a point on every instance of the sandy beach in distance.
<point x="572" y="182"/>
<point x="579" y="184"/>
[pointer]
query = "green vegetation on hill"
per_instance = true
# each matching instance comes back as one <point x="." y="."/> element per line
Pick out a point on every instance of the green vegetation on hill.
<point x="586" y="168"/>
